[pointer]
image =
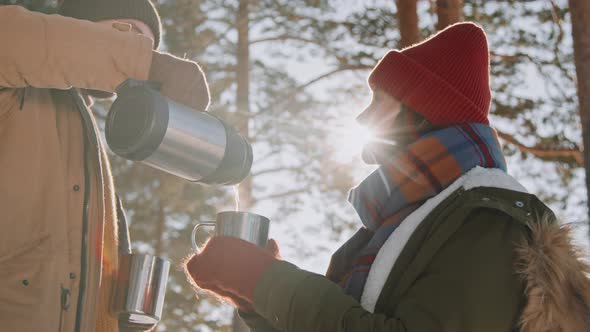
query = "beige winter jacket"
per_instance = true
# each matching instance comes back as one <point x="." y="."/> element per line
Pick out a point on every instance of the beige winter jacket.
<point x="58" y="254"/>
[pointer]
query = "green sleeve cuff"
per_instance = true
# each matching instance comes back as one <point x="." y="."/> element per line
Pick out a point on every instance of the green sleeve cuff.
<point x="286" y="293"/>
<point x="274" y="291"/>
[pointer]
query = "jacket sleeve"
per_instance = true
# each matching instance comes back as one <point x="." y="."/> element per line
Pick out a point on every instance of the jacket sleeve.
<point x="468" y="286"/>
<point x="256" y="323"/>
<point x="297" y="300"/>
<point x="52" y="51"/>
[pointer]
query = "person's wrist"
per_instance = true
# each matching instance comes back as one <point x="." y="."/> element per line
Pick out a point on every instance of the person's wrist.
<point x="230" y="264"/>
<point x="261" y="264"/>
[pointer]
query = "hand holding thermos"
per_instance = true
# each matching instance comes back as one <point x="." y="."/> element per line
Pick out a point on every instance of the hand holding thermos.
<point x="163" y="123"/>
<point x="181" y="80"/>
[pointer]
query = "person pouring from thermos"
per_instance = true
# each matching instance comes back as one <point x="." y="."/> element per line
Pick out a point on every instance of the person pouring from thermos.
<point x="450" y="242"/>
<point x="58" y="244"/>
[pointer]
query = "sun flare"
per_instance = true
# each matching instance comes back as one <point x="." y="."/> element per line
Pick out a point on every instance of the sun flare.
<point x="347" y="139"/>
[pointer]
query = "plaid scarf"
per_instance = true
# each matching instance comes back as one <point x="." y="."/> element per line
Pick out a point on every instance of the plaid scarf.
<point x="426" y="167"/>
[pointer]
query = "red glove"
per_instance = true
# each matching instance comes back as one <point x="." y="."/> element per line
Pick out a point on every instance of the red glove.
<point x="231" y="268"/>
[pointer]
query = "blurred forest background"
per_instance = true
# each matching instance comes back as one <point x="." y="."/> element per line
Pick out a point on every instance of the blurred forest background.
<point x="291" y="75"/>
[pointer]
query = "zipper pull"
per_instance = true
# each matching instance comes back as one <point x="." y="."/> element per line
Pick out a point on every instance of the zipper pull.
<point x="65" y="298"/>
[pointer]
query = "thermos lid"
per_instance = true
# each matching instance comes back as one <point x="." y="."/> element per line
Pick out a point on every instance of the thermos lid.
<point x="137" y="121"/>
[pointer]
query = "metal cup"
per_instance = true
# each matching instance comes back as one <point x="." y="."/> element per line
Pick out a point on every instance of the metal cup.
<point x="141" y="288"/>
<point x="247" y="226"/>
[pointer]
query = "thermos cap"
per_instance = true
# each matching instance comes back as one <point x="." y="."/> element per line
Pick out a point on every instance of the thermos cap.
<point x="137" y="121"/>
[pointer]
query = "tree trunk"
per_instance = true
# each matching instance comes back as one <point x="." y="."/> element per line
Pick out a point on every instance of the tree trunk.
<point x="580" y="11"/>
<point x="243" y="91"/>
<point x="407" y="15"/>
<point x="243" y="108"/>
<point x="448" y="12"/>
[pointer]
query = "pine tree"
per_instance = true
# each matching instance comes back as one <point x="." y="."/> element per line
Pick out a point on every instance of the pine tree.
<point x="580" y="12"/>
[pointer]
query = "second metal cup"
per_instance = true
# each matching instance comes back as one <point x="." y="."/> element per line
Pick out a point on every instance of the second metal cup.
<point x="247" y="226"/>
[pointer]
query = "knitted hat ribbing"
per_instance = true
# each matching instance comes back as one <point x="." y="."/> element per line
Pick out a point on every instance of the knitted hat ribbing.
<point x="445" y="78"/>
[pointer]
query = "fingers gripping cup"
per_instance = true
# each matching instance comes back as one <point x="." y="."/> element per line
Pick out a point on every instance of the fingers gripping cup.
<point x="247" y="226"/>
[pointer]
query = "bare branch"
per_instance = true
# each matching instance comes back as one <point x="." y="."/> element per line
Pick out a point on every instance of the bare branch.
<point x="283" y="38"/>
<point x="330" y="73"/>
<point x="282" y="194"/>
<point x="277" y="169"/>
<point x="213" y="39"/>
<point x="558" y="22"/>
<point x="540" y="65"/>
<point x="323" y="20"/>
<point x="288" y="97"/>
<point x="512" y="57"/>
<point x="544" y="153"/>
<point x="268" y="155"/>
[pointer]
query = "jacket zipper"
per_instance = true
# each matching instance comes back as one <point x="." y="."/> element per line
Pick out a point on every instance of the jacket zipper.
<point x="83" y="262"/>
<point x="84" y="249"/>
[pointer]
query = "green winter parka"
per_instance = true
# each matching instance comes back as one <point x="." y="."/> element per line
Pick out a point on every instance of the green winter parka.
<point x="483" y="259"/>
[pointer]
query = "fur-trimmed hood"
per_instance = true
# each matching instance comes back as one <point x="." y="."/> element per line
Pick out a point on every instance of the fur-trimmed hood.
<point x="556" y="279"/>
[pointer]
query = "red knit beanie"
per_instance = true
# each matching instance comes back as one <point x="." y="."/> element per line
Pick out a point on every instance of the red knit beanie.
<point x="445" y="78"/>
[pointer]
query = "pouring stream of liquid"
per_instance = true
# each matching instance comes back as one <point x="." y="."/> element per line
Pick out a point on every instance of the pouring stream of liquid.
<point x="237" y="197"/>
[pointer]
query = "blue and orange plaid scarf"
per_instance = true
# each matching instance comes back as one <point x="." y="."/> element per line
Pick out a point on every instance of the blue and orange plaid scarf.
<point x="426" y="167"/>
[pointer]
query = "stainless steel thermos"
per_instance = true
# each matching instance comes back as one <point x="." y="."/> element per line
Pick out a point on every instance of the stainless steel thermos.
<point x="143" y="125"/>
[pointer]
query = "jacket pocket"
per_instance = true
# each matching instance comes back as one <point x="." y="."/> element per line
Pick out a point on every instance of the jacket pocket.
<point x="27" y="287"/>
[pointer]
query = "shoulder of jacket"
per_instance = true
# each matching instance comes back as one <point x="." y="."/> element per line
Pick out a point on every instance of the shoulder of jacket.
<point x="496" y="190"/>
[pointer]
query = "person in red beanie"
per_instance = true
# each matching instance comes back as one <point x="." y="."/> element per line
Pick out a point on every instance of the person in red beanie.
<point x="450" y="242"/>
<point x="60" y="238"/>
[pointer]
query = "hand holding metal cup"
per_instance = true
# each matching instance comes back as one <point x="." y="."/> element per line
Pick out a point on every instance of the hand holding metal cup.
<point x="247" y="226"/>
